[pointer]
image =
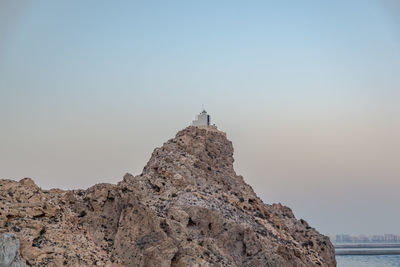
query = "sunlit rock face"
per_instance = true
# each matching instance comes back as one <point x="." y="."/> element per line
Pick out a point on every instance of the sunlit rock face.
<point x="187" y="208"/>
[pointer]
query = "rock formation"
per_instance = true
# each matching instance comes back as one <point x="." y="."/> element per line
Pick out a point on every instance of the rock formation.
<point x="187" y="208"/>
<point x="9" y="251"/>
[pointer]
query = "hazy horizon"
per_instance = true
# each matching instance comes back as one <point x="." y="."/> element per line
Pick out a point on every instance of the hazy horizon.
<point x="308" y="94"/>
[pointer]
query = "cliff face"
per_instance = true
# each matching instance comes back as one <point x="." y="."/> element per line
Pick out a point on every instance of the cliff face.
<point x="187" y="208"/>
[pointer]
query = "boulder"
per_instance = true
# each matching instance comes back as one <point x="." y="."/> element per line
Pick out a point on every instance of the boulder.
<point x="9" y="251"/>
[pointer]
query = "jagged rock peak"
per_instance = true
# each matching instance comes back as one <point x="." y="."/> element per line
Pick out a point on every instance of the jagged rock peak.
<point x="197" y="156"/>
<point x="204" y="146"/>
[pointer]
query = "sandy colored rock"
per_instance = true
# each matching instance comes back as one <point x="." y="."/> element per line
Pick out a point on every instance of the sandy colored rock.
<point x="187" y="208"/>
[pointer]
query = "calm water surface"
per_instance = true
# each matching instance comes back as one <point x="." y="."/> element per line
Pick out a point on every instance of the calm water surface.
<point x="368" y="261"/>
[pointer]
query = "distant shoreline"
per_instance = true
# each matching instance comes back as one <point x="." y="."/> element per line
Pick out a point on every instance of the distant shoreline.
<point x="367" y="249"/>
<point x="368" y="245"/>
<point x="366" y="252"/>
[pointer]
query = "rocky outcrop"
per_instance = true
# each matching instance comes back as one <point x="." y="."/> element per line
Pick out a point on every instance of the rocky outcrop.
<point x="187" y="208"/>
<point x="9" y="251"/>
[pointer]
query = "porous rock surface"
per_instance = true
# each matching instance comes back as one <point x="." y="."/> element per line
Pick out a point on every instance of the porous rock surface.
<point x="9" y="251"/>
<point x="187" y="208"/>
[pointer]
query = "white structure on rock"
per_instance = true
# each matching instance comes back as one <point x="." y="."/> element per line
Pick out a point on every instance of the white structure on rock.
<point x="203" y="119"/>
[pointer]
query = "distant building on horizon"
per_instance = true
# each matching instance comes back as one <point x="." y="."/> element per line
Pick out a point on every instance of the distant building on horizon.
<point x="203" y="119"/>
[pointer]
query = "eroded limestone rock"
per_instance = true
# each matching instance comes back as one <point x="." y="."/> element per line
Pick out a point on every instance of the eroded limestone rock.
<point x="187" y="208"/>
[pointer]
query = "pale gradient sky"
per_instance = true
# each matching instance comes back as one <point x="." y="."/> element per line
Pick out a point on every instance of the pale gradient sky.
<point x="308" y="91"/>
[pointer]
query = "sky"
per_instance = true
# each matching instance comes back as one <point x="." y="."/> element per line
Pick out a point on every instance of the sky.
<point x="307" y="91"/>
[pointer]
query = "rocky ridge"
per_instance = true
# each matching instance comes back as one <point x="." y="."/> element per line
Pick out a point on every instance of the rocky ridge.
<point x="187" y="208"/>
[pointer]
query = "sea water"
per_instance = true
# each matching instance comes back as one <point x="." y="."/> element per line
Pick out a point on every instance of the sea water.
<point x="368" y="261"/>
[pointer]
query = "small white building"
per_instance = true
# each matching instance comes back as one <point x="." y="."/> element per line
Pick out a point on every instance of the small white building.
<point x="203" y="119"/>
